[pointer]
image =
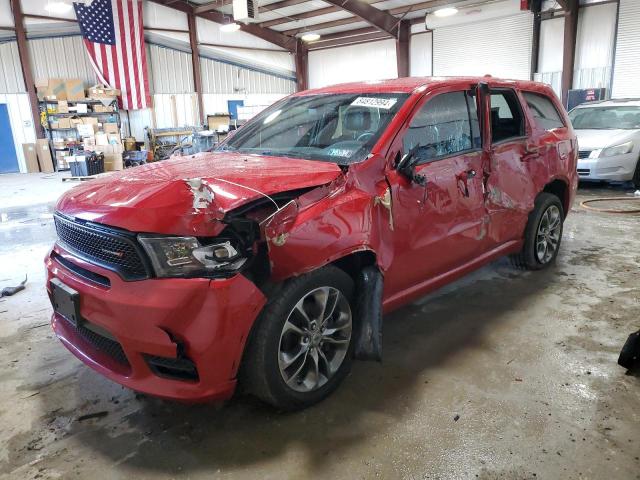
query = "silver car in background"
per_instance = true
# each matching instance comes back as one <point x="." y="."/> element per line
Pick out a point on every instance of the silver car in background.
<point x="608" y="140"/>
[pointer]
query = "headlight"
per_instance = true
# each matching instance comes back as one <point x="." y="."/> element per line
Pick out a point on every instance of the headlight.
<point x="186" y="257"/>
<point x="617" y="150"/>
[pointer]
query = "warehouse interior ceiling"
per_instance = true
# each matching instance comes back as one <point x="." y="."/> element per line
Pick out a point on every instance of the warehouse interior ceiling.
<point x="338" y="22"/>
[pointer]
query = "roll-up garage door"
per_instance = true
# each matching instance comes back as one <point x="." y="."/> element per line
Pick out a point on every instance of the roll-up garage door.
<point x="626" y="70"/>
<point x="500" y="47"/>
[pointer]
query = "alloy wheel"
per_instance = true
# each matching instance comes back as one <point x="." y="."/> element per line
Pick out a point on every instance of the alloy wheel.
<point x="548" y="234"/>
<point x="315" y="339"/>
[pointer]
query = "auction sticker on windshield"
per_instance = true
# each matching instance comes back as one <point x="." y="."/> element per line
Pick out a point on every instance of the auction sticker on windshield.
<point x="383" y="103"/>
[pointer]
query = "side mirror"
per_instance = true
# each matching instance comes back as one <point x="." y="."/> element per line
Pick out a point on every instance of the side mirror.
<point x="406" y="166"/>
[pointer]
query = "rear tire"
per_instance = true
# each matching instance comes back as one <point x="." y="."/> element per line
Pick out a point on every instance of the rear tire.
<point x="542" y="235"/>
<point x="298" y="353"/>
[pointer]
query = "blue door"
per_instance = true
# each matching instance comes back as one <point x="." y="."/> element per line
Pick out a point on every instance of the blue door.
<point x="8" y="157"/>
<point x="233" y="105"/>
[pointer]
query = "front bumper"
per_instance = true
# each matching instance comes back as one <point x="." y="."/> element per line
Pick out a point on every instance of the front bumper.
<point x="198" y="320"/>
<point x="617" y="169"/>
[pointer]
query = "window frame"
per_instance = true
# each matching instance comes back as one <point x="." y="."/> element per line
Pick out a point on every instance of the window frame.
<point x="523" y="122"/>
<point x="550" y="100"/>
<point x="426" y="102"/>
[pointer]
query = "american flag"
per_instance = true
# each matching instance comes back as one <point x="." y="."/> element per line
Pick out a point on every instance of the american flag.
<point x="114" y="38"/>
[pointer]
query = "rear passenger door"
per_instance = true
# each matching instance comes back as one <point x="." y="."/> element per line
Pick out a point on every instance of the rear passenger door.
<point x="552" y="137"/>
<point x="509" y="189"/>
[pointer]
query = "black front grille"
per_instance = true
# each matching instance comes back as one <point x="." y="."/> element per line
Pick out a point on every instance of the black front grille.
<point x="112" y="249"/>
<point x="584" y="171"/>
<point x="101" y="342"/>
<point x="582" y="154"/>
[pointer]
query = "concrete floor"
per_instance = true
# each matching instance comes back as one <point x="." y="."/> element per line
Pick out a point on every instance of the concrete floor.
<point x="526" y="360"/>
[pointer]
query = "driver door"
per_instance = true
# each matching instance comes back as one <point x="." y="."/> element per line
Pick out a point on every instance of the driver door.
<point x="438" y="226"/>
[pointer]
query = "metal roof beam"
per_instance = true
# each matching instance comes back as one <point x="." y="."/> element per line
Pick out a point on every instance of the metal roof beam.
<point x="380" y="19"/>
<point x="430" y="4"/>
<point x="271" y="36"/>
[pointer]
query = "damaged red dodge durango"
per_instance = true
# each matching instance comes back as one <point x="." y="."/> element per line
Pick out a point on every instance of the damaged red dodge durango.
<point x="270" y="262"/>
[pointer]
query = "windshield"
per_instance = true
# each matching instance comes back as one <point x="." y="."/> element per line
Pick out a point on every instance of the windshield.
<point x="334" y="128"/>
<point x="605" y="118"/>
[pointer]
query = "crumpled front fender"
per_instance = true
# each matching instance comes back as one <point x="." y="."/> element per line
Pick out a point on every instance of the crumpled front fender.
<point x="324" y="225"/>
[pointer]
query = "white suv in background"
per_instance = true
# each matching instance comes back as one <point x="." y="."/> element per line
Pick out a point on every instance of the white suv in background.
<point x="609" y="140"/>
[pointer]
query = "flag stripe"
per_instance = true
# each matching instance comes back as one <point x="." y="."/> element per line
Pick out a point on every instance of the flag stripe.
<point x="140" y="47"/>
<point x="123" y="13"/>
<point x="119" y="67"/>
<point x="131" y="54"/>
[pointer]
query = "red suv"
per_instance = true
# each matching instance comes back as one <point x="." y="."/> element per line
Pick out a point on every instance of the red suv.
<point x="270" y="261"/>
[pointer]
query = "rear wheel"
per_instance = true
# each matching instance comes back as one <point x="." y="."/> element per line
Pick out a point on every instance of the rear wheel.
<point x="301" y="347"/>
<point x="543" y="234"/>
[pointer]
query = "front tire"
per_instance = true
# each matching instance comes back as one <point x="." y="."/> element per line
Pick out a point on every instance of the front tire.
<point x="542" y="235"/>
<point x="636" y="176"/>
<point x="301" y="347"/>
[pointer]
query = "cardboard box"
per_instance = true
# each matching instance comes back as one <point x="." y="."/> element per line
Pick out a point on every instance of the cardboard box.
<point x="90" y="120"/>
<point x="44" y="155"/>
<point x="114" y="138"/>
<point x="101" y="139"/>
<point x="64" y="122"/>
<point x="85" y="130"/>
<point x="102" y="109"/>
<point x="41" y="87"/>
<point x="63" y="106"/>
<point x="110" y="128"/>
<point x="61" y="160"/>
<point x="102" y="91"/>
<point x="75" y="121"/>
<point x="59" y="143"/>
<point x="30" y="157"/>
<point x="113" y="162"/>
<point x="57" y="88"/>
<point x="74" y="88"/>
<point x="54" y="125"/>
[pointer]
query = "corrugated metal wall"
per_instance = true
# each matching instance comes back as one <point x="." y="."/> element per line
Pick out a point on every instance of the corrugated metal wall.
<point x="499" y="46"/>
<point x="170" y="79"/>
<point x="11" y="80"/>
<point x="60" y="57"/>
<point x="221" y="77"/>
<point x="627" y="63"/>
<point x="171" y="70"/>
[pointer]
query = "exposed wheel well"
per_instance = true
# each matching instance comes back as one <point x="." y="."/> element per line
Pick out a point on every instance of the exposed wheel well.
<point x="561" y="190"/>
<point x="352" y="264"/>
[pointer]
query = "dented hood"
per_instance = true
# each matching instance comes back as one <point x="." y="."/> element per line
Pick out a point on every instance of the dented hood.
<point x="163" y="197"/>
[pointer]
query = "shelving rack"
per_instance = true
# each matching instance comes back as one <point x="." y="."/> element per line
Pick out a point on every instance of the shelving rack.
<point x="56" y="133"/>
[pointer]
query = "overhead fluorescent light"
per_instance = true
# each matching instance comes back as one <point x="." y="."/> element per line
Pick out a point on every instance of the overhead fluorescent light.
<point x="58" y="7"/>
<point x="229" y="27"/>
<point x="310" y="37"/>
<point x="445" y="12"/>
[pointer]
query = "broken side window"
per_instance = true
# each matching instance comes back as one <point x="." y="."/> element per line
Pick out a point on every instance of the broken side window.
<point x="444" y="126"/>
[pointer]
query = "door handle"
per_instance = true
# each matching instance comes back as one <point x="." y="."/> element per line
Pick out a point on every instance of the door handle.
<point x="471" y="173"/>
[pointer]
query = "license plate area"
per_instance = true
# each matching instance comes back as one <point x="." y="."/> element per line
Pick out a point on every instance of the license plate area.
<point x="66" y="302"/>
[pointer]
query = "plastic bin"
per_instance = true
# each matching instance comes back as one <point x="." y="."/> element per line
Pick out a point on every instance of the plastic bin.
<point x="91" y="165"/>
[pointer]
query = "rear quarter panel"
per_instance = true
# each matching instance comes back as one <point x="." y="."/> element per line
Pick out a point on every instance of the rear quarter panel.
<point x="558" y="149"/>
